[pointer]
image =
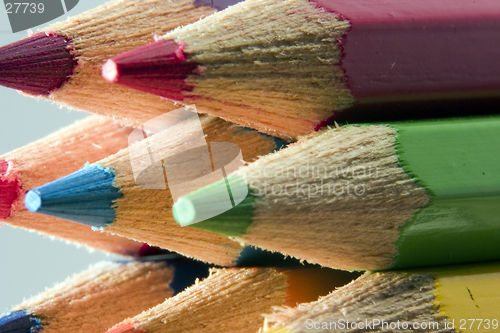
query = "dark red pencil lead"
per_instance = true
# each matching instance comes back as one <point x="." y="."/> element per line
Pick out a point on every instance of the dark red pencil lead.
<point x="37" y="65"/>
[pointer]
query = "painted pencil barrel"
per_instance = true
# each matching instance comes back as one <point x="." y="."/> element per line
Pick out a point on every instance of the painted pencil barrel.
<point x="387" y="39"/>
<point x="457" y="162"/>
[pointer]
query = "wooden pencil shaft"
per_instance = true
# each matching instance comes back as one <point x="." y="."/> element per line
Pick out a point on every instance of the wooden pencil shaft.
<point x="145" y="214"/>
<point x="155" y="223"/>
<point x="232" y="300"/>
<point x="99" y="297"/>
<point x="58" y="155"/>
<point x="131" y="193"/>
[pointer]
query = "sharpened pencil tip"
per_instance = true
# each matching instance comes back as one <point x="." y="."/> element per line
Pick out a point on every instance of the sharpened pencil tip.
<point x="224" y="207"/>
<point x="160" y="68"/>
<point x="110" y="71"/>
<point x="32" y="201"/>
<point x="9" y="190"/>
<point x="124" y="328"/>
<point x="86" y="196"/>
<point x="19" y="322"/>
<point x="37" y="65"/>
<point x="184" y="211"/>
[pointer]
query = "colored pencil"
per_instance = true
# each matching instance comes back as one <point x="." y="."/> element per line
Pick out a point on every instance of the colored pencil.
<point x="122" y="205"/>
<point x="63" y="62"/>
<point x="230" y="300"/>
<point x="369" y="197"/>
<point x="94" y="300"/>
<point x="53" y="157"/>
<point x="287" y="67"/>
<point x="445" y="299"/>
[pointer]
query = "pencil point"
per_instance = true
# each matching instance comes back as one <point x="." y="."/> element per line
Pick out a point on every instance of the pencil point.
<point x="184" y="211"/>
<point x="124" y="328"/>
<point x="209" y="208"/>
<point x="158" y="68"/>
<point x="37" y="65"/>
<point x="86" y="196"/>
<point x="110" y="71"/>
<point x="19" y="322"/>
<point x="9" y="191"/>
<point x="32" y="201"/>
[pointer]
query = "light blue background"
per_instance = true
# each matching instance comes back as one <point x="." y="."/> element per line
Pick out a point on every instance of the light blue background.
<point x="29" y="262"/>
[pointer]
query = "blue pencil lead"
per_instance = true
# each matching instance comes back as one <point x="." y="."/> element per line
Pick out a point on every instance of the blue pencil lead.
<point x="19" y="322"/>
<point x="86" y="196"/>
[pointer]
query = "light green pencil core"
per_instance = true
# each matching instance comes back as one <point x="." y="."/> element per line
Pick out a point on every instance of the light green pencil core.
<point x="205" y="205"/>
<point x="457" y="161"/>
<point x="184" y="211"/>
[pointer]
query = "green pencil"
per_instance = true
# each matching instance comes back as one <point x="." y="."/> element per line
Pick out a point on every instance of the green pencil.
<point x="369" y="196"/>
